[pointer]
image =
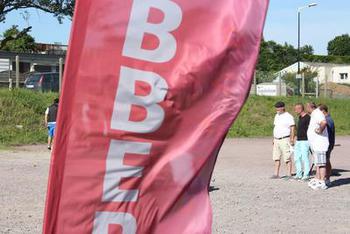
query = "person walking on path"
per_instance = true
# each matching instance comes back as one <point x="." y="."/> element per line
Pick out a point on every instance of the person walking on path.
<point x="331" y="139"/>
<point x="283" y="133"/>
<point x="318" y="138"/>
<point x="302" y="147"/>
<point x="50" y="122"/>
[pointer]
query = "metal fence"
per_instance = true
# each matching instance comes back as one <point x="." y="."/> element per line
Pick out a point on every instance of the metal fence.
<point x="268" y="84"/>
<point x="15" y="67"/>
<point x="275" y="85"/>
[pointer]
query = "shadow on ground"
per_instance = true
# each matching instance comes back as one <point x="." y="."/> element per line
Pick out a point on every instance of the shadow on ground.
<point x="335" y="172"/>
<point x="340" y="182"/>
<point x="213" y="188"/>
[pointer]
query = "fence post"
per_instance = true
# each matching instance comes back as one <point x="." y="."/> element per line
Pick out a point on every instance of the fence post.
<point x="60" y="67"/>
<point x="10" y="75"/>
<point x="279" y="85"/>
<point x="254" y="84"/>
<point x="17" y="71"/>
<point x="317" y="88"/>
<point x="326" y="86"/>
<point x="303" y="84"/>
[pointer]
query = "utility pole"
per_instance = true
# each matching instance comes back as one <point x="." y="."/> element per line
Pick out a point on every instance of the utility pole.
<point x="299" y="76"/>
<point x="17" y="71"/>
<point x="10" y="74"/>
<point x="60" y="67"/>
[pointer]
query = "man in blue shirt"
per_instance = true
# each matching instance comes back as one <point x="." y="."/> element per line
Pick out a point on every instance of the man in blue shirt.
<point x="331" y="138"/>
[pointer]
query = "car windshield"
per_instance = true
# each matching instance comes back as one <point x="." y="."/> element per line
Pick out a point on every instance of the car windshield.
<point x="34" y="78"/>
<point x="55" y="75"/>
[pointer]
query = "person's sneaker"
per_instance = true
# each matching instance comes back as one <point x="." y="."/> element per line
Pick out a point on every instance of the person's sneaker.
<point x="323" y="186"/>
<point x="315" y="185"/>
<point x="296" y="177"/>
<point x="312" y="182"/>
<point x="305" y="179"/>
<point x="49" y="147"/>
<point x="286" y="177"/>
<point x="320" y="185"/>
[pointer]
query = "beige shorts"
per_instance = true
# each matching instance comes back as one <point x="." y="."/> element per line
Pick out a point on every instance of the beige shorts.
<point x="281" y="149"/>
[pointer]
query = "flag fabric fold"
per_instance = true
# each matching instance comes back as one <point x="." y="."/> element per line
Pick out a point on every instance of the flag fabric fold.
<point x="150" y="90"/>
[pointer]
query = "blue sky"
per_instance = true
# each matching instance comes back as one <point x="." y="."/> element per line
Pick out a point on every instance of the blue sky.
<point x="319" y="24"/>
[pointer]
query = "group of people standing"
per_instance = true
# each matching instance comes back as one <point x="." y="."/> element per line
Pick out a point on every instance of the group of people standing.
<point x="313" y="134"/>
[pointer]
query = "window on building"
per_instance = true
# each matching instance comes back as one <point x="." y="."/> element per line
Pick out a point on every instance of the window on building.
<point x="343" y="76"/>
<point x="23" y="67"/>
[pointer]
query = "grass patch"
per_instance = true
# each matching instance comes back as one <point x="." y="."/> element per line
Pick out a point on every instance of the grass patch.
<point x="4" y="147"/>
<point x="22" y="116"/>
<point x="256" y="117"/>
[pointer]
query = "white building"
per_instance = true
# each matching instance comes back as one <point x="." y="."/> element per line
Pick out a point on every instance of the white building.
<point x="337" y="73"/>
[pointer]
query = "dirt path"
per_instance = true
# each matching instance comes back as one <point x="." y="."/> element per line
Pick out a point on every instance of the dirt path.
<point x="245" y="200"/>
<point x="23" y="178"/>
<point x="249" y="202"/>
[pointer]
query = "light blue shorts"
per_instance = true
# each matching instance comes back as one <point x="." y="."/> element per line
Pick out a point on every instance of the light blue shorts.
<point x="51" y="126"/>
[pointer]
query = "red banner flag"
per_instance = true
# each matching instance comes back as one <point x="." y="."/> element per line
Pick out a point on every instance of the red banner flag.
<point x="151" y="88"/>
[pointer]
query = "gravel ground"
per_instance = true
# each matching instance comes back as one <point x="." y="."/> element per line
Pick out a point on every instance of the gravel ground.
<point x="244" y="199"/>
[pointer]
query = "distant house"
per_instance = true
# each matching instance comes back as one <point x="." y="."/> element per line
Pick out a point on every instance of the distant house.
<point x="29" y="62"/>
<point x="56" y="48"/>
<point x="337" y="73"/>
<point x="45" y="59"/>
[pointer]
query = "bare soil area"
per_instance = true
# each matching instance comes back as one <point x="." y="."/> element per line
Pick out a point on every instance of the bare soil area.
<point x="244" y="199"/>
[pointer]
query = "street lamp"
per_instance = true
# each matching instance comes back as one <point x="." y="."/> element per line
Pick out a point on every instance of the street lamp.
<point x="299" y="12"/>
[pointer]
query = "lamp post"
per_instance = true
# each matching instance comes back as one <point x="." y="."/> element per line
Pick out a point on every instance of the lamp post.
<point x="299" y="12"/>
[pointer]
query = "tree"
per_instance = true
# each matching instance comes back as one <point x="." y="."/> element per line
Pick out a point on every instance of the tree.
<point x="274" y="56"/>
<point x="340" y="46"/>
<point x="17" y="41"/>
<point x="309" y="75"/>
<point x="60" y="8"/>
<point x="306" y="50"/>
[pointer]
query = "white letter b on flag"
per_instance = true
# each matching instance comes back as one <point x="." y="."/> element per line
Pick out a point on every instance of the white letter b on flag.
<point x="138" y="26"/>
<point x="126" y="97"/>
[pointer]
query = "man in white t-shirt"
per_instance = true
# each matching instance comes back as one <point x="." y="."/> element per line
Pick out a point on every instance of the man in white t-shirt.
<point x="318" y="139"/>
<point x="283" y="134"/>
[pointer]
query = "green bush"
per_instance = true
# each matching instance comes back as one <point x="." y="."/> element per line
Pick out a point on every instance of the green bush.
<point x="327" y="59"/>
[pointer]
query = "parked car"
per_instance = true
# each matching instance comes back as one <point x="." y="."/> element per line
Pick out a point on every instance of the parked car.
<point x="44" y="82"/>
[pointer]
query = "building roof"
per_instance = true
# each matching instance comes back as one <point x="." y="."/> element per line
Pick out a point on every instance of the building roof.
<point x="311" y="64"/>
<point x="316" y="64"/>
<point x="31" y="57"/>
